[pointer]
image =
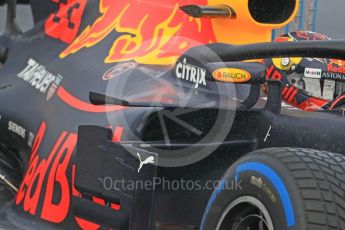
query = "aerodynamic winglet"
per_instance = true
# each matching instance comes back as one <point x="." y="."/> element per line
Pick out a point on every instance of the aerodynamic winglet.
<point x="101" y="99"/>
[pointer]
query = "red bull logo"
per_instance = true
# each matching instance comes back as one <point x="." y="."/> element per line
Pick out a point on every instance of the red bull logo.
<point x="337" y="62"/>
<point x="151" y="32"/>
<point x="336" y="66"/>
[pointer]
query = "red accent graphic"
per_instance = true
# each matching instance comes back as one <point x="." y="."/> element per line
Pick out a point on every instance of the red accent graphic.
<point x="117" y="134"/>
<point x="273" y="74"/>
<point x="285" y="90"/>
<point x="292" y="96"/>
<point x="339" y="99"/>
<point x="310" y="105"/>
<point x="283" y="39"/>
<point x="289" y="93"/>
<point x="65" y="24"/>
<point x="74" y="102"/>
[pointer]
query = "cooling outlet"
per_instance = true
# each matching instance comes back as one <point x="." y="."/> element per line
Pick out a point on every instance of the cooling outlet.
<point x="271" y="12"/>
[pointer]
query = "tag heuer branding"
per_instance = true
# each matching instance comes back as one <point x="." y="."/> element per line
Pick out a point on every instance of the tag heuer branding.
<point x="54" y="87"/>
<point x="231" y="75"/>
<point x="313" y="73"/>
<point x="191" y="73"/>
<point x="38" y="77"/>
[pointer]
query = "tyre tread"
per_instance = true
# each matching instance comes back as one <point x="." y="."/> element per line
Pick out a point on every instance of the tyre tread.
<point x="320" y="177"/>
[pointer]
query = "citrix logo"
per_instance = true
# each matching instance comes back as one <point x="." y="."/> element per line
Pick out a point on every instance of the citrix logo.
<point x="191" y="73"/>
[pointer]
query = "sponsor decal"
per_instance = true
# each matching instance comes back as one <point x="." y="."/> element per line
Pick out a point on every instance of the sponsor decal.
<point x="47" y="184"/>
<point x="150" y="33"/>
<point x="258" y="182"/>
<point x="191" y="73"/>
<point x="275" y="182"/>
<point x="17" y="129"/>
<point x="40" y="78"/>
<point x="285" y="61"/>
<point x="54" y="87"/>
<point x="232" y="75"/>
<point x="53" y="170"/>
<point x="118" y="69"/>
<point x="333" y="76"/>
<point x="336" y="69"/>
<point x="337" y="62"/>
<point x="65" y="23"/>
<point x="148" y="160"/>
<point x="312" y="73"/>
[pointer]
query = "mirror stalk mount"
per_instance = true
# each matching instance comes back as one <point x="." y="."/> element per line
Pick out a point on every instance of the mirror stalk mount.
<point x="221" y="11"/>
<point x="3" y="54"/>
<point x="12" y="27"/>
<point x="274" y="98"/>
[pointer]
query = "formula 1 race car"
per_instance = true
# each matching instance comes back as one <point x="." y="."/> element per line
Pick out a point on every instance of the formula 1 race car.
<point x="149" y="114"/>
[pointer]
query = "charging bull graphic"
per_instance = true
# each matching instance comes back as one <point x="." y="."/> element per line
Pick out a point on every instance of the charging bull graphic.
<point x="154" y="32"/>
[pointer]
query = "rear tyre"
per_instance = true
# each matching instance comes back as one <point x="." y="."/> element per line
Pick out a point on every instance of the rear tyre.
<point x="280" y="188"/>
